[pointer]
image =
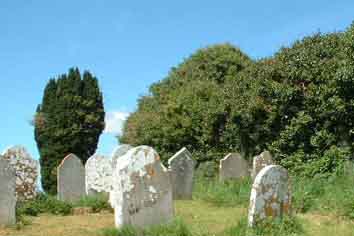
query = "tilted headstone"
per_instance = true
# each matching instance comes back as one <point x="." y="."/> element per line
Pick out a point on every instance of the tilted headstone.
<point x="181" y="167"/>
<point x="142" y="191"/>
<point x="71" y="179"/>
<point x="233" y="166"/>
<point x="261" y="161"/>
<point x="26" y="169"/>
<point x="118" y="152"/>
<point x="7" y="193"/>
<point x="270" y="195"/>
<point x="98" y="170"/>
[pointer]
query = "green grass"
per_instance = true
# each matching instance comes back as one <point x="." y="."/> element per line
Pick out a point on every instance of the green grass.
<point x="228" y="193"/>
<point x="98" y="203"/>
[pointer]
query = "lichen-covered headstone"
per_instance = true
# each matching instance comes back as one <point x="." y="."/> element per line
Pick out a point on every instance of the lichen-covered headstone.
<point x="118" y="152"/>
<point x="233" y="166"/>
<point x="270" y="195"/>
<point x="98" y="175"/>
<point x="142" y="191"/>
<point x="26" y="169"/>
<point x="261" y="161"/>
<point x="7" y="193"/>
<point x="71" y="179"/>
<point x="181" y="167"/>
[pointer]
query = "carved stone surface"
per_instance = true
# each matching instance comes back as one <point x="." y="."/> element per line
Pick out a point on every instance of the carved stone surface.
<point x="7" y="193"/>
<point x="233" y="166"/>
<point x="142" y="192"/>
<point x="270" y="195"/>
<point x="261" y="161"/>
<point x="118" y="152"/>
<point x="181" y="167"/>
<point x="98" y="175"/>
<point x="26" y="169"/>
<point x="71" y="179"/>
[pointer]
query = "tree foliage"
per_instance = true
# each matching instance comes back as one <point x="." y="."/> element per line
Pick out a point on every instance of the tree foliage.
<point x="298" y="103"/>
<point x="69" y="120"/>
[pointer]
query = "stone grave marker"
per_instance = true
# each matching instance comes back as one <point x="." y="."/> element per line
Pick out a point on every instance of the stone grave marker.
<point x="142" y="191"/>
<point x="98" y="171"/>
<point x="7" y="193"/>
<point x="261" y="161"/>
<point x="71" y="179"/>
<point x="26" y="169"/>
<point x="270" y="195"/>
<point x="233" y="166"/>
<point x="181" y="167"/>
<point x="118" y="152"/>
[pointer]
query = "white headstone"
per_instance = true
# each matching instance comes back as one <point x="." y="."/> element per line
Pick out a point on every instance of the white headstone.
<point x="118" y="152"/>
<point x="26" y="170"/>
<point x="270" y="195"/>
<point x="142" y="192"/>
<point x="98" y="170"/>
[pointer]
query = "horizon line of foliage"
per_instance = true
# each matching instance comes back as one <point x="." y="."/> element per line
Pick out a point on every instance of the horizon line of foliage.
<point x="298" y="103"/>
<point x="70" y="119"/>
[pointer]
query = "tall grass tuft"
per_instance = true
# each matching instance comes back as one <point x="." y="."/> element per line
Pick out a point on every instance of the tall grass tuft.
<point x="228" y="193"/>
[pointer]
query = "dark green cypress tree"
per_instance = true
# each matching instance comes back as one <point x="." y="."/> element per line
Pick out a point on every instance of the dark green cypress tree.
<point x="69" y="120"/>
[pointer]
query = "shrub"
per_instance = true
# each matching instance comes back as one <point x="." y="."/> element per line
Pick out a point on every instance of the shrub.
<point x="97" y="203"/>
<point x="44" y="204"/>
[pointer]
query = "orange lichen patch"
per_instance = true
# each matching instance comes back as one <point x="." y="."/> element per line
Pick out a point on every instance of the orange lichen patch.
<point x="150" y="170"/>
<point x="157" y="157"/>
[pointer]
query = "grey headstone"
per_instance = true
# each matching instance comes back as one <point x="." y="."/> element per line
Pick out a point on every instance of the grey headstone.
<point x="98" y="170"/>
<point x="26" y="169"/>
<point x="142" y="192"/>
<point x="270" y="195"/>
<point x="181" y="167"/>
<point x="118" y="152"/>
<point x="71" y="179"/>
<point x="233" y="166"/>
<point x="261" y="161"/>
<point x="7" y="193"/>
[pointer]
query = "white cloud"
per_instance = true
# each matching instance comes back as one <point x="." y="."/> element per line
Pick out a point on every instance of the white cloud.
<point x="114" y="122"/>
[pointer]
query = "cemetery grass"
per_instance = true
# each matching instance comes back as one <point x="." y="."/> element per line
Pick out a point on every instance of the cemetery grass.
<point x="322" y="206"/>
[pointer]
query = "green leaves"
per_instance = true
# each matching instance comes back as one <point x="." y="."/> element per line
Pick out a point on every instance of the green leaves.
<point x="69" y="120"/>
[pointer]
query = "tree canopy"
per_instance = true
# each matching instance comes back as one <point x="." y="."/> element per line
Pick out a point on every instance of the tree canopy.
<point x="298" y="103"/>
<point x="70" y="119"/>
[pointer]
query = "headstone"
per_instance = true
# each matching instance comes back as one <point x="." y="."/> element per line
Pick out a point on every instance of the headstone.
<point x="7" y="193"/>
<point x="233" y="166"/>
<point x="26" y="170"/>
<point x="181" y="167"/>
<point x="118" y="152"/>
<point x="261" y="161"/>
<point x="270" y="195"/>
<point x="98" y="170"/>
<point x="142" y="191"/>
<point x="71" y="179"/>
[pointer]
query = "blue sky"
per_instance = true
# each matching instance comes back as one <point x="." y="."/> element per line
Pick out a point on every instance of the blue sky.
<point x="130" y="44"/>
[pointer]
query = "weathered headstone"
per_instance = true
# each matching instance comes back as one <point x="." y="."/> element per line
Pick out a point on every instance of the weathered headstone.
<point x="233" y="166"/>
<point x="71" y="179"/>
<point x="261" y="161"/>
<point x="181" y="167"/>
<point x="270" y="195"/>
<point x="26" y="170"/>
<point x="118" y="152"/>
<point x="7" y="193"/>
<point x="98" y="170"/>
<point x="142" y="191"/>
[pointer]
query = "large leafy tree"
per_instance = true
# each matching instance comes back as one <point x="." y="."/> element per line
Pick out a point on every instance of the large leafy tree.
<point x="70" y="119"/>
<point x="188" y="108"/>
